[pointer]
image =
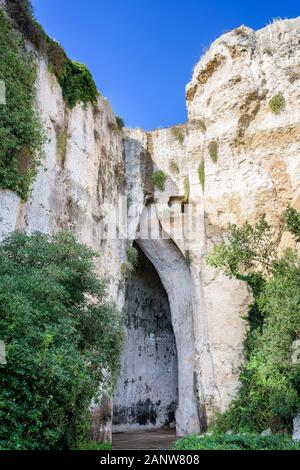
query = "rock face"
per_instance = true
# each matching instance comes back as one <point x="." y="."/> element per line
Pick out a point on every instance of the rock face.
<point x="147" y="389"/>
<point x="81" y="171"/>
<point x="248" y="159"/>
<point x="296" y="428"/>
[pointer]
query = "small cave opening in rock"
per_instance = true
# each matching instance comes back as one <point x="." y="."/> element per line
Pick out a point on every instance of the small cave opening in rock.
<point x="146" y="395"/>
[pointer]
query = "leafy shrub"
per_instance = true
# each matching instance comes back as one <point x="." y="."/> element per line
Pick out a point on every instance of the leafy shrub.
<point x="159" y="179"/>
<point x="201" y="174"/>
<point x="269" y="395"/>
<point x="292" y="222"/>
<point x="213" y="150"/>
<point x="21" y="135"/>
<point x="126" y="269"/>
<point x="132" y="255"/>
<point x="56" y="56"/>
<point x="77" y="84"/>
<point x="120" y="123"/>
<point x="277" y="103"/>
<point x="75" y="79"/>
<point x="60" y="333"/>
<point x="245" y="441"/>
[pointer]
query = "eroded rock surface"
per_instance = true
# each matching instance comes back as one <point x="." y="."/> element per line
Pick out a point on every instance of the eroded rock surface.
<point x="250" y="163"/>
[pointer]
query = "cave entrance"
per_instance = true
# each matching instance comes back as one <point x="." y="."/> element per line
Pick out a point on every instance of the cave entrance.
<point x="146" y="396"/>
<point x="173" y="296"/>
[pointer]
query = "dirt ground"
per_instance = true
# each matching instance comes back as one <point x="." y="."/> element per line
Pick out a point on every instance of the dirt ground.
<point x="157" y="439"/>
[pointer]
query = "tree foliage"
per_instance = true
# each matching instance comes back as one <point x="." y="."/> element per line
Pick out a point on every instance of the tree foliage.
<point x="245" y="441"/>
<point x="61" y="334"/>
<point x="269" y="395"/>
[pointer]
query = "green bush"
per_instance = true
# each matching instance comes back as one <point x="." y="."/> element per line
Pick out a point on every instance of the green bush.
<point x="159" y="179"/>
<point x="91" y="445"/>
<point x="173" y="167"/>
<point x="201" y="174"/>
<point x="60" y="332"/>
<point x="126" y="269"/>
<point x="22" y="13"/>
<point x="75" y="79"/>
<point x="269" y="395"/>
<point x="213" y="150"/>
<point x="277" y="103"/>
<point x="245" y="441"/>
<point x="77" y="84"/>
<point x="291" y="220"/>
<point x="21" y="135"/>
<point x="120" y="123"/>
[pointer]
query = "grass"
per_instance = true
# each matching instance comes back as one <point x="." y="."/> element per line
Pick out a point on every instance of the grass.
<point x="245" y="441"/>
<point x="91" y="445"/>
<point x="277" y="103"/>
<point x="213" y="150"/>
<point x="201" y="174"/>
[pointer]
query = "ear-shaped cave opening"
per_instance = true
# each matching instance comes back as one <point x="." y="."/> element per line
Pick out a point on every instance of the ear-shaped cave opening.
<point x="160" y="306"/>
<point x="146" y="395"/>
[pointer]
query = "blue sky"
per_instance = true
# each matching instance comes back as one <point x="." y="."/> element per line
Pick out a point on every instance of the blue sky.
<point x="142" y="52"/>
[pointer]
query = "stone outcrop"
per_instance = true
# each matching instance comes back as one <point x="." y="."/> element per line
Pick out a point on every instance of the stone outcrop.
<point x="249" y="159"/>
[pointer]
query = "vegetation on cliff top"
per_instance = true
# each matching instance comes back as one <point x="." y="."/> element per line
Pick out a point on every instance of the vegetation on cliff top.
<point x="63" y="339"/>
<point x="269" y="395"/>
<point x="75" y="79"/>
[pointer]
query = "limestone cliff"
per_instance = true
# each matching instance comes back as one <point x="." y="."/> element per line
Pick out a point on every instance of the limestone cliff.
<point x="249" y="164"/>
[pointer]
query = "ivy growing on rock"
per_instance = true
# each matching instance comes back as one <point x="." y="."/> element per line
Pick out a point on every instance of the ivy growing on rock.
<point x="21" y="135"/>
<point x="61" y="334"/>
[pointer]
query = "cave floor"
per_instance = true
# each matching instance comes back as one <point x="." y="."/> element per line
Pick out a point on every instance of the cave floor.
<point x="157" y="439"/>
